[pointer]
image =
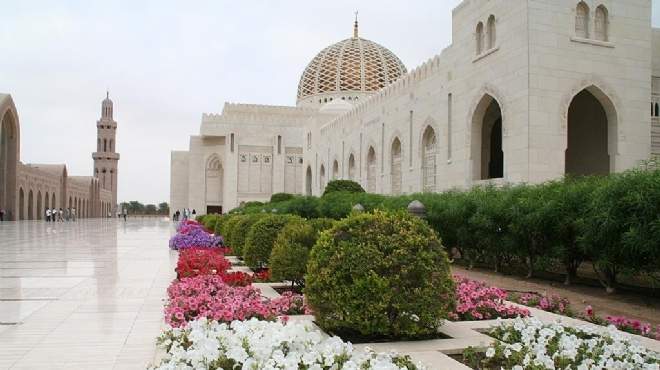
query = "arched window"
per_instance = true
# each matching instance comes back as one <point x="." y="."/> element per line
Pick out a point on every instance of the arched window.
<point x="479" y="36"/>
<point x="322" y="179"/>
<point x="213" y="181"/>
<point x="105" y="145"/>
<point x="371" y="170"/>
<point x="396" y="166"/>
<point x="492" y="36"/>
<point x="428" y="159"/>
<point x="111" y="145"/>
<point x="582" y="20"/>
<point x="601" y="23"/>
<point x="335" y="170"/>
<point x="98" y="145"/>
<point x="308" y="181"/>
<point x="351" y="167"/>
<point x="657" y="110"/>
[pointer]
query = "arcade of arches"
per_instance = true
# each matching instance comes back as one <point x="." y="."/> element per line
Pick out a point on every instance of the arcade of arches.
<point x="27" y="190"/>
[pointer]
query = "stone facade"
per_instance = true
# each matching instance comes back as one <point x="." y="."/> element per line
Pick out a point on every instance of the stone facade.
<point x="529" y="90"/>
<point x="26" y="190"/>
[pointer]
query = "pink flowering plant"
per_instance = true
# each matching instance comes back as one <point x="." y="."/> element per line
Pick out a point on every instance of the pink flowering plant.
<point x="208" y="296"/>
<point x="478" y="301"/>
<point x="551" y="303"/>
<point x="632" y="326"/>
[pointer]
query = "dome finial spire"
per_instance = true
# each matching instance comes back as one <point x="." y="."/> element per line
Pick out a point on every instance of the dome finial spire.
<point x="355" y="25"/>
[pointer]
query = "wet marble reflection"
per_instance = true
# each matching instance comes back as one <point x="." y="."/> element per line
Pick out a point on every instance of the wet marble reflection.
<point x="85" y="294"/>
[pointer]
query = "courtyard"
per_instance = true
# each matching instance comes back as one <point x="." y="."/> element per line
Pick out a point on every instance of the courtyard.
<point x="82" y="295"/>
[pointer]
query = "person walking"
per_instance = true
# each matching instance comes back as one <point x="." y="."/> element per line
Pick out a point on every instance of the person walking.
<point x="48" y="213"/>
<point x="193" y="214"/>
<point x="125" y="212"/>
<point x="73" y="213"/>
<point x="2" y="214"/>
<point x="60" y="215"/>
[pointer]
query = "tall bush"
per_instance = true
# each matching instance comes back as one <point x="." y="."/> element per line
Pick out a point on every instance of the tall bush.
<point x="622" y="232"/>
<point x="380" y="275"/>
<point x="261" y="237"/>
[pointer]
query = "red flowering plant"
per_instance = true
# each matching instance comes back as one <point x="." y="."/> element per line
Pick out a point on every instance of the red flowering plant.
<point x="237" y="278"/>
<point x="208" y="296"/>
<point x="201" y="261"/>
<point x="262" y="276"/>
<point x="478" y="301"/>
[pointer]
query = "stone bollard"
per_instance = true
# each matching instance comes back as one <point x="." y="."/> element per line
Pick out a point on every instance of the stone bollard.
<point x="416" y="208"/>
<point x="358" y="208"/>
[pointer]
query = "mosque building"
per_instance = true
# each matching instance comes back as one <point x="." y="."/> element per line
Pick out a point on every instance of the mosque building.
<point x="28" y="189"/>
<point x="528" y="91"/>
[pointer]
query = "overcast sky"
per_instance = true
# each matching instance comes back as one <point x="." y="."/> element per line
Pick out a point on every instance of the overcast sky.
<point x="166" y="62"/>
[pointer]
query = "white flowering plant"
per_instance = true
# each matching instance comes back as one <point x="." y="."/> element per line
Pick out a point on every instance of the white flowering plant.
<point x="257" y="345"/>
<point x="527" y="343"/>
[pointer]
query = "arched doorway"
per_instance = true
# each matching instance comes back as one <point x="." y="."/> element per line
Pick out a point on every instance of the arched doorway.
<point x="308" y="181"/>
<point x="8" y="163"/>
<point x="53" y="202"/>
<point x="30" y="205"/>
<point x="351" y="167"/>
<point x="39" y="211"/>
<point x="335" y="170"/>
<point x="429" y="150"/>
<point x="395" y="167"/>
<point x="371" y="170"/>
<point x="21" y="204"/>
<point x="487" y="150"/>
<point x="322" y="179"/>
<point x="590" y="134"/>
<point x="213" y="181"/>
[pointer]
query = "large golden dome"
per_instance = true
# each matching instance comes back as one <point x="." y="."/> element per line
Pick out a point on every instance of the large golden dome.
<point x="347" y="70"/>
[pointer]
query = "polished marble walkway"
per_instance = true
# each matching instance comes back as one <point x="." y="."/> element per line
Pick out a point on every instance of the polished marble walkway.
<point x="83" y="295"/>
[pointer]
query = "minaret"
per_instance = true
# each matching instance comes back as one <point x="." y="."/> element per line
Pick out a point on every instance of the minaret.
<point x="105" y="157"/>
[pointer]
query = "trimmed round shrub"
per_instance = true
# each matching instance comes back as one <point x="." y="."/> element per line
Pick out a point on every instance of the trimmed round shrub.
<point x="288" y="260"/>
<point x="261" y="237"/>
<point x="239" y="231"/>
<point x="280" y="197"/>
<point x="209" y="222"/>
<point x="348" y="186"/>
<point x="381" y="275"/>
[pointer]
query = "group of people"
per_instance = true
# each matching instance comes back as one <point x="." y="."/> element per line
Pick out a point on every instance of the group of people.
<point x="61" y="215"/>
<point x="186" y="214"/>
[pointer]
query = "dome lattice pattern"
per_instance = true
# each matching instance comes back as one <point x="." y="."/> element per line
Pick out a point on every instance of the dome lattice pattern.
<point x="354" y="64"/>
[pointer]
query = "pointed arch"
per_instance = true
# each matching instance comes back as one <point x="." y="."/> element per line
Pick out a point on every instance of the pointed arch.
<point x="479" y="38"/>
<point x="487" y="144"/>
<point x="591" y="133"/>
<point x="371" y="170"/>
<point x="308" y="181"/>
<point x="491" y="31"/>
<point x="335" y="170"/>
<point x="21" y="204"/>
<point x="429" y="151"/>
<point x="30" y="205"/>
<point x="351" y="167"/>
<point x="601" y="23"/>
<point x="39" y="211"/>
<point x="657" y="109"/>
<point x="213" y="180"/>
<point x="322" y="179"/>
<point x="9" y="156"/>
<point x="395" y="166"/>
<point x="582" y="20"/>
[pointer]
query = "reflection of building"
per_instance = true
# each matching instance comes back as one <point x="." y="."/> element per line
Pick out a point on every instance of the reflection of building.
<point x="26" y="190"/>
<point x="529" y="90"/>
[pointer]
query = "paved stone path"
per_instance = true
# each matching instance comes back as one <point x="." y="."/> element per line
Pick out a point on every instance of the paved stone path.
<point x="83" y="295"/>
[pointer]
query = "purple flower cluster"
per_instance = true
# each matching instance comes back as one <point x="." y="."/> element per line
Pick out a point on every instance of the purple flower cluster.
<point x="195" y="237"/>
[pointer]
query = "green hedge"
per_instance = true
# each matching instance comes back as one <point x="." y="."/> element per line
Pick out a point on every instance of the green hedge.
<point x="612" y="221"/>
<point x="381" y="275"/>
